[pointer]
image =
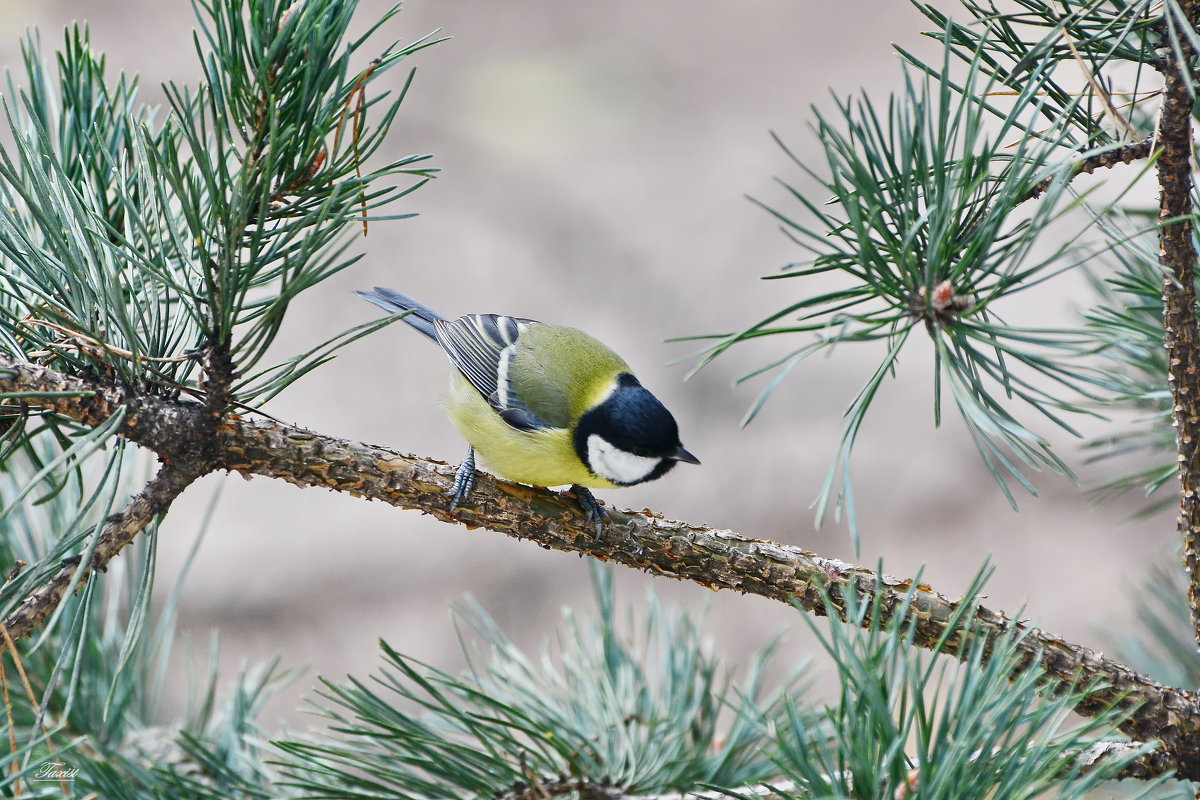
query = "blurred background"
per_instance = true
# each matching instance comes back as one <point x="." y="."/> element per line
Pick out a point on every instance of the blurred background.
<point x="596" y="159"/>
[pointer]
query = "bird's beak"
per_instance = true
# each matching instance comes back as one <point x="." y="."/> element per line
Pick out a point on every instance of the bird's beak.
<point x="683" y="455"/>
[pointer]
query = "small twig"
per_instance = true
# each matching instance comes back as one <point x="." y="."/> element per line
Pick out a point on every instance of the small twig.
<point x="1125" y="154"/>
<point x="104" y="347"/>
<point x="118" y="531"/>
<point x="358" y="92"/>
<point x="14" y="571"/>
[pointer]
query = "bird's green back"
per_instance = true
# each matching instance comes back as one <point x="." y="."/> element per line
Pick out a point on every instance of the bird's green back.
<point x="560" y="372"/>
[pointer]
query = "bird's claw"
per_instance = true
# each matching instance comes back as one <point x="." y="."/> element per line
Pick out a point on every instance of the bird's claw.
<point x="591" y="508"/>
<point x="464" y="480"/>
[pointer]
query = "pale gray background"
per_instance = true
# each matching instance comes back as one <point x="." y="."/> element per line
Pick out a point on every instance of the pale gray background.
<point x="595" y="159"/>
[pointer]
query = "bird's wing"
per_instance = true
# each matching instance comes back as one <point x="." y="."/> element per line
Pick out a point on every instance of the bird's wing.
<point x="483" y="347"/>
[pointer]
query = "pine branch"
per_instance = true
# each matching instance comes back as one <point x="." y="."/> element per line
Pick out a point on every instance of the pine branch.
<point x="1145" y="767"/>
<point x="119" y="531"/>
<point x="646" y="541"/>
<point x="1125" y="154"/>
<point x="1177" y="255"/>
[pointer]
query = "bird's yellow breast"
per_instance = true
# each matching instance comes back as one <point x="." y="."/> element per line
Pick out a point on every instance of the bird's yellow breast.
<point x="544" y="457"/>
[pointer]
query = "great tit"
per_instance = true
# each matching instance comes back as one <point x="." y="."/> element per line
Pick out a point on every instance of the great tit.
<point x="545" y="404"/>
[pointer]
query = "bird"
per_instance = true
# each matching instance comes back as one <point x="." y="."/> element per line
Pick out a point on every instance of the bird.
<point x="544" y="404"/>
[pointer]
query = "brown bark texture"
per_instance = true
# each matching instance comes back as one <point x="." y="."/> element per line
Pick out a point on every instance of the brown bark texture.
<point x="1177" y="255"/>
<point x="719" y="559"/>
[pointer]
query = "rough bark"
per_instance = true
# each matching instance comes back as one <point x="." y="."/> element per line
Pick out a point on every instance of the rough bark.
<point x="1124" y="154"/>
<point x="1177" y="254"/>
<point x="719" y="559"/>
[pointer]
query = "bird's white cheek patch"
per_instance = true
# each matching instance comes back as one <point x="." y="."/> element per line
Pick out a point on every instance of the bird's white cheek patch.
<point x="617" y="465"/>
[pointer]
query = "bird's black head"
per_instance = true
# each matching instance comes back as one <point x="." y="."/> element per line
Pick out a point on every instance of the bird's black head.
<point x="630" y="437"/>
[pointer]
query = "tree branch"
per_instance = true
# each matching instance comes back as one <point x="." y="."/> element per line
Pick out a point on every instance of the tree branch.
<point x="1123" y="154"/>
<point x="118" y="531"/>
<point x="1177" y="255"/>
<point x="1147" y="766"/>
<point x="646" y="541"/>
<point x="176" y="435"/>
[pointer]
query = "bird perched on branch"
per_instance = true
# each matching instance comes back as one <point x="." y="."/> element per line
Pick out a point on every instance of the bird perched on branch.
<point x="545" y="404"/>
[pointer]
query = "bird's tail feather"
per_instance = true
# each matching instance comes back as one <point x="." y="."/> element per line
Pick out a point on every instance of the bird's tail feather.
<point x="422" y="316"/>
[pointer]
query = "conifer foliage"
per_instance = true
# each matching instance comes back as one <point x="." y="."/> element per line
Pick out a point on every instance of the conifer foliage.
<point x="150" y="259"/>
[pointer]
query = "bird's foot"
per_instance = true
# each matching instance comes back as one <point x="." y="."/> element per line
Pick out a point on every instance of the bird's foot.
<point x="464" y="480"/>
<point x="595" y="513"/>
